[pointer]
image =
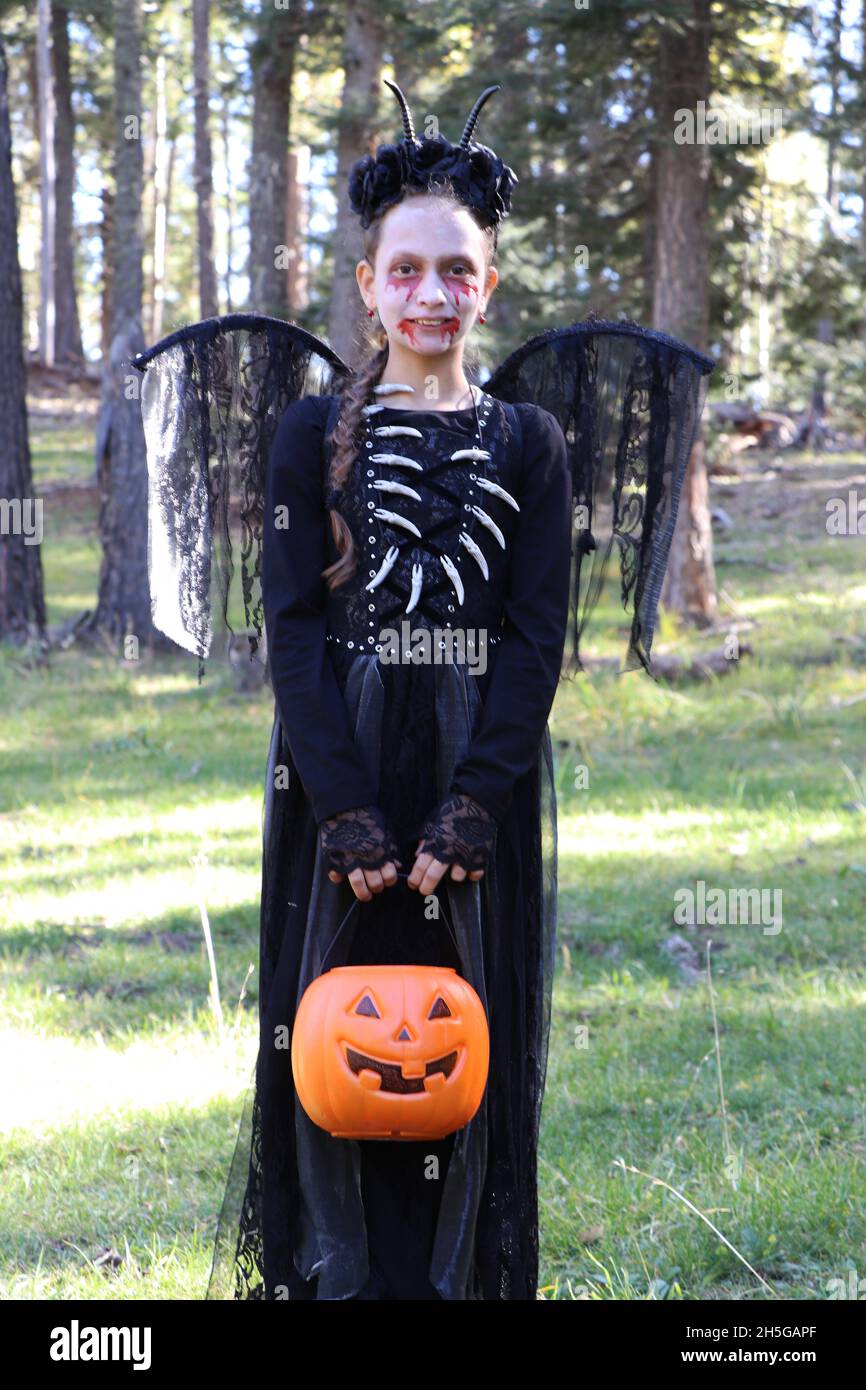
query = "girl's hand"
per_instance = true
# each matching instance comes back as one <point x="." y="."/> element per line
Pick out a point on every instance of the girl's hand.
<point x="366" y="882"/>
<point x="461" y="834"/>
<point x="427" y="871"/>
<point x="359" y="844"/>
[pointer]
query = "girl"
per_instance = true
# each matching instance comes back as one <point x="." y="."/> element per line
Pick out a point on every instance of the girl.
<point x="416" y="587"/>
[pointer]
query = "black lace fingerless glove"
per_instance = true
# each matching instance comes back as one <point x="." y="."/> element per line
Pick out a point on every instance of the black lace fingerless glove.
<point x="459" y="832"/>
<point x="357" y="839"/>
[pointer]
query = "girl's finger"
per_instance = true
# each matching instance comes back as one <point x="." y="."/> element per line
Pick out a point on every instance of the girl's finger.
<point x="359" y="885"/>
<point x="458" y="873"/>
<point x="476" y="873"/>
<point x="335" y="877"/>
<point x="432" y="875"/>
<point x="375" y="881"/>
<point x="389" y="873"/>
<point x="418" y="869"/>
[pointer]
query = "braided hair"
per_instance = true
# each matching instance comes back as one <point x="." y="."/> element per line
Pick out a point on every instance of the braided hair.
<point x="357" y="389"/>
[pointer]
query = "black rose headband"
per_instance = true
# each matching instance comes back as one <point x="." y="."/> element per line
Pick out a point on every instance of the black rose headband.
<point x="479" y="177"/>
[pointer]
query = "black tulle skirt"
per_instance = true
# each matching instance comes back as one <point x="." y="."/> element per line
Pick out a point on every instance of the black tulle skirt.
<point x="308" y="1216"/>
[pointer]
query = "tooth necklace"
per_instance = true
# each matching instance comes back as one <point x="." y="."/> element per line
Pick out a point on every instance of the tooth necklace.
<point x="475" y="454"/>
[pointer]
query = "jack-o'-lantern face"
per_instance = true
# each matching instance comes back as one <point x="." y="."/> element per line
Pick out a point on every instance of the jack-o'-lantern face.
<point x="390" y="1051"/>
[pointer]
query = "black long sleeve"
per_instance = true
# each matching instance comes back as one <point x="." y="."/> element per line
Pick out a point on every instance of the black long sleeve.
<point x="529" y="658"/>
<point x="310" y="703"/>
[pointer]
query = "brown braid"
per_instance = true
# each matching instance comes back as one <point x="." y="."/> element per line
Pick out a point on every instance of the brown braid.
<point x="343" y="438"/>
<point x="357" y="392"/>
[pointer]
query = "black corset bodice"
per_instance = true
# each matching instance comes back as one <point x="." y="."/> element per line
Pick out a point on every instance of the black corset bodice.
<point x="337" y="652"/>
<point x="447" y="488"/>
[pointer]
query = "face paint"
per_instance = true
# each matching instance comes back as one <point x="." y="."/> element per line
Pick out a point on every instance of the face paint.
<point x="447" y="328"/>
<point x="407" y="326"/>
<point x="408" y="282"/>
<point x="458" y="287"/>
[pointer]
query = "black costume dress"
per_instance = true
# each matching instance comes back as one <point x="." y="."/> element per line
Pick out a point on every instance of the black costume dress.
<point x="589" y="428"/>
<point x="325" y="1218"/>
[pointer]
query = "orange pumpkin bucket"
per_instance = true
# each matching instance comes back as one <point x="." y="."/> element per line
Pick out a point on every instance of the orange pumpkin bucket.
<point x="390" y="1051"/>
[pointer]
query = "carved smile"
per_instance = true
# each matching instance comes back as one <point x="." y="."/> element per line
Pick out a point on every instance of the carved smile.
<point x="390" y="1074"/>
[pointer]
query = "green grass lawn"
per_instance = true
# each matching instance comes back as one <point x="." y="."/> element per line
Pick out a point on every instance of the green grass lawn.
<point x="129" y="795"/>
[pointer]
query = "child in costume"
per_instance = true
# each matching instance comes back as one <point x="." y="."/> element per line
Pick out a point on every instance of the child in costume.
<point x="416" y="574"/>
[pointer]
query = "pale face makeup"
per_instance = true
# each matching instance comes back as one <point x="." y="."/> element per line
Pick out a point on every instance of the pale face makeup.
<point x="429" y="283"/>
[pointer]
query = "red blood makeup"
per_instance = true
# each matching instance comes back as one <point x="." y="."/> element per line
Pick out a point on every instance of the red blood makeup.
<point x="458" y="287"/>
<point x="414" y="330"/>
<point x="449" y="328"/>
<point x="407" y="326"/>
<point x="409" y="283"/>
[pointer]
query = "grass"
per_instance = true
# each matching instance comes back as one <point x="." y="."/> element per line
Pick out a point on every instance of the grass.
<point x="121" y="1095"/>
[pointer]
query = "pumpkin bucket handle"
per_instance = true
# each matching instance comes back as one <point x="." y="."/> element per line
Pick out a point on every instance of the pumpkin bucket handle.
<point x="357" y="903"/>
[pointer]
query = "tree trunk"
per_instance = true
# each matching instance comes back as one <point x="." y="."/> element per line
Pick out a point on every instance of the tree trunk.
<point x="22" y="602"/>
<point x="363" y="46"/>
<point x="123" y="609"/>
<point x="273" y="59"/>
<point x="225" y="132"/>
<point x="160" y="203"/>
<point x="824" y="332"/>
<point x="47" y="114"/>
<point x="681" y="285"/>
<point x="863" y="151"/>
<point x="207" y="285"/>
<point x="298" y="228"/>
<point x="67" y="327"/>
<point x="106" y="237"/>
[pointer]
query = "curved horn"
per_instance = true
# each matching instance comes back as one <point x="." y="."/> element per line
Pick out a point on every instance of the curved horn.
<point x="408" y="127"/>
<point x="474" y="114"/>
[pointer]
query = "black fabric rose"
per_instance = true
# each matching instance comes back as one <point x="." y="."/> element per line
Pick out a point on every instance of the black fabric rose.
<point x="479" y="177"/>
<point x="493" y="178"/>
<point x="375" y="184"/>
<point x="437" y="158"/>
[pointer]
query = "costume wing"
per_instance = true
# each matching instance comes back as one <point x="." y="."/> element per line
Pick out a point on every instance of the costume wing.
<point x="629" y="400"/>
<point x="212" y="396"/>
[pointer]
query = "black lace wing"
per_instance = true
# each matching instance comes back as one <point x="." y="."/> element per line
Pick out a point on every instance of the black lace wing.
<point x="212" y="396"/>
<point x="629" y="400"/>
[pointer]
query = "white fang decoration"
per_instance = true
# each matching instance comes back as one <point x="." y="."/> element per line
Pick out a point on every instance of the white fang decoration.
<point x="490" y="524"/>
<point x="451" y="570"/>
<point x="397" y="461"/>
<point x="397" y="520"/>
<point x="390" y="388"/>
<point x="385" y="568"/>
<point x="471" y="454"/>
<point x="476" y="552"/>
<point x="497" y="492"/>
<point x="417" y="576"/>
<point x="389" y="431"/>
<point x="371" y="409"/>
<point x="385" y="485"/>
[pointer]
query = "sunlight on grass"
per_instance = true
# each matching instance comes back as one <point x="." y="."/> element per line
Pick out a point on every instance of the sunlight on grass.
<point x="67" y="1077"/>
<point x="145" y="896"/>
<point x="600" y="834"/>
<point x="158" y="684"/>
<point x="193" y="822"/>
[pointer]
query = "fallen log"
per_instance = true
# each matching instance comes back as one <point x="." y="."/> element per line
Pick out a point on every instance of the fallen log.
<point x="674" y="668"/>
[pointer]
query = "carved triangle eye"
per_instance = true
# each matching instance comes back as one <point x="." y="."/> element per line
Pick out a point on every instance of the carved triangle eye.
<point x="440" y="1009"/>
<point x="368" y="1008"/>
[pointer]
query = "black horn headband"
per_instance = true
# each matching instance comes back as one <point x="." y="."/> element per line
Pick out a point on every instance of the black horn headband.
<point x="479" y="177"/>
